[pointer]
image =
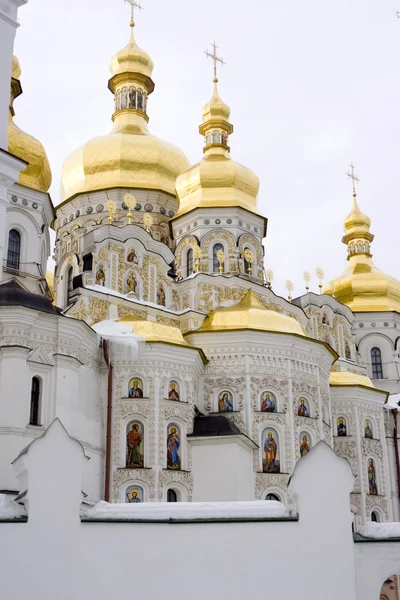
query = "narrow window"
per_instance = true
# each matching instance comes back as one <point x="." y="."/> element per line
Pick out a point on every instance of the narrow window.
<point x="172" y="496"/>
<point x="69" y="286"/>
<point x="189" y="262"/>
<point x="376" y="361"/>
<point x="35" y="398"/>
<point x="218" y="248"/>
<point x="14" y="249"/>
<point x="272" y="497"/>
<point x="374" y="517"/>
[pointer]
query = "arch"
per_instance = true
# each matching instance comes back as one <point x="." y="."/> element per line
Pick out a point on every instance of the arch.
<point x="216" y="137"/>
<point x="14" y="249"/>
<point x="376" y="363"/>
<point x="172" y="496"/>
<point x="272" y="496"/>
<point x="305" y="443"/>
<point x="174" y="440"/>
<point x="174" y="390"/>
<point x="134" y="494"/>
<point x="189" y="261"/>
<point x="135" y="439"/>
<point x="268" y="402"/>
<point x="270" y="449"/>
<point x="375" y="516"/>
<point x="341" y="424"/>
<point x="303" y="408"/>
<point x="35" y="406"/>
<point x="216" y="264"/>
<point x="135" y="388"/>
<point x="180" y="490"/>
<point x="225" y="401"/>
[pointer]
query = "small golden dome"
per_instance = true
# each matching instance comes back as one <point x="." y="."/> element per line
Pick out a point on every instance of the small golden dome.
<point x="37" y="175"/>
<point x="217" y="181"/>
<point x="131" y="59"/>
<point x="362" y="286"/>
<point x="249" y="313"/>
<point x="349" y="378"/>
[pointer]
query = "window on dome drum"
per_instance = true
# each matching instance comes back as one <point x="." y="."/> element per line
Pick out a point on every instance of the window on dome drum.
<point x="217" y="248"/>
<point x="272" y="497"/>
<point x="69" y="285"/>
<point x="189" y="262"/>
<point x="374" y="517"/>
<point x="172" y="496"/>
<point x="14" y="249"/>
<point x="35" y="399"/>
<point x="376" y="361"/>
<point x="247" y="266"/>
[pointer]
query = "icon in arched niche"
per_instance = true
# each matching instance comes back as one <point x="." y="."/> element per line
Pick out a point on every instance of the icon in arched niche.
<point x="132" y="97"/>
<point x="305" y="443"/>
<point x="134" y="494"/>
<point x="131" y="284"/>
<point x="173" y="391"/>
<point x="373" y="488"/>
<point x="225" y="402"/>
<point x="341" y="427"/>
<point x="132" y="256"/>
<point x="271" y="451"/>
<point x="368" y="432"/>
<point x="303" y="407"/>
<point x="161" y="295"/>
<point x="140" y="99"/>
<point x="268" y="402"/>
<point x="136" y="388"/>
<point x="325" y="320"/>
<point x="347" y="351"/>
<point x="164" y="237"/>
<point x="134" y="445"/>
<point x="173" y="447"/>
<point x="100" y="276"/>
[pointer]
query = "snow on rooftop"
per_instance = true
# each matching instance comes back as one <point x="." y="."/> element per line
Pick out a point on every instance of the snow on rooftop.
<point x="188" y="511"/>
<point x="392" y="401"/>
<point x="9" y="509"/>
<point x="381" y="531"/>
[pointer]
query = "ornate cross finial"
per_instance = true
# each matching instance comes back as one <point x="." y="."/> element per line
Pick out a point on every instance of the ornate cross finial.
<point x="353" y="177"/>
<point x="134" y="5"/>
<point x="214" y="56"/>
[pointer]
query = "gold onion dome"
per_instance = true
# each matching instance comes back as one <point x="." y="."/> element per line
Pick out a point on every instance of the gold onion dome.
<point x="128" y="156"/>
<point x="217" y="181"/>
<point x="250" y="313"/>
<point x="362" y="286"/>
<point x="37" y="174"/>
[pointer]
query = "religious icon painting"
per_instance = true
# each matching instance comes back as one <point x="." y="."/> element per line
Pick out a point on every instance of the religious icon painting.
<point x="270" y="450"/>
<point x="134" y="445"/>
<point x="161" y="295"/>
<point x="368" y="433"/>
<point x="225" y="402"/>
<point x="134" y="494"/>
<point x="135" y="388"/>
<point x="303" y="407"/>
<point x="173" y="391"/>
<point x="373" y="487"/>
<point x="268" y="402"/>
<point x="173" y="447"/>
<point x="305" y="443"/>
<point x="341" y="427"/>
<point x="132" y="256"/>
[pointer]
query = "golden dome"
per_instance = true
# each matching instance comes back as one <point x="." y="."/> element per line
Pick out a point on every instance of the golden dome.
<point x="217" y="181"/>
<point x="362" y="286"/>
<point x="249" y="313"/>
<point x="349" y="378"/>
<point x="128" y="156"/>
<point x="37" y="175"/>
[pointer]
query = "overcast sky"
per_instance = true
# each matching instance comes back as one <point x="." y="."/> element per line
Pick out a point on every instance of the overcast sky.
<point x="312" y="86"/>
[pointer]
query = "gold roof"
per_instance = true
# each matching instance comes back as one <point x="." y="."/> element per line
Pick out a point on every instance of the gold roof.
<point x="362" y="286"/>
<point x="154" y="332"/>
<point x="349" y="378"/>
<point x="217" y="181"/>
<point x="37" y="175"/>
<point x="128" y="156"/>
<point x="249" y="313"/>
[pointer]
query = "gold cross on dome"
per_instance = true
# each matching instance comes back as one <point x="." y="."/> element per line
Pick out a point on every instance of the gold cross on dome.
<point x="353" y="177"/>
<point x="215" y="58"/>
<point x="134" y="5"/>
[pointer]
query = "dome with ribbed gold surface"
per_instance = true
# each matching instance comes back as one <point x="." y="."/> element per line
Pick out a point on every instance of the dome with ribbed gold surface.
<point x="37" y="174"/>
<point x="128" y="156"/>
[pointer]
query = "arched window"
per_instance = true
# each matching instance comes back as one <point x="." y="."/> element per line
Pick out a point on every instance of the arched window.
<point x="376" y="361"/>
<point x="272" y="497"/>
<point x="35" y="400"/>
<point x="140" y="99"/>
<point x="216" y="252"/>
<point x="14" y="249"/>
<point x="246" y="264"/>
<point x="189" y="262"/>
<point x="172" y="496"/>
<point x="69" y="275"/>
<point x="375" y="517"/>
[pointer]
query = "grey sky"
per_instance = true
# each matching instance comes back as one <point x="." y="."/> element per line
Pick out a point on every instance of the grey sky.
<point x="312" y="86"/>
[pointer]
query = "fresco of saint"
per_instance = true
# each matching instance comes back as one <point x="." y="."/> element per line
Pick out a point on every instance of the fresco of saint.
<point x="160" y="296"/>
<point x="135" y="388"/>
<point x="271" y="462"/>
<point x="132" y="258"/>
<point x="173" y="443"/>
<point x="225" y="402"/>
<point x="268" y="402"/>
<point x="305" y="444"/>
<point x="100" y="276"/>
<point x="302" y="408"/>
<point x="368" y="430"/>
<point x="134" y="494"/>
<point x="341" y="427"/>
<point x="373" y="488"/>
<point x="134" y="446"/>
<point x="173" y="392"/>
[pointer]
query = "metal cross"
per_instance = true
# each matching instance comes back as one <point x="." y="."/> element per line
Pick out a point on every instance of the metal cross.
<point x="214" y="57"/>
<point x="353" y="177"/>
<point x="134" y="5"/>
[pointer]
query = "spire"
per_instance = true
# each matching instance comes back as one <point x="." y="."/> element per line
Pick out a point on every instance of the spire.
<point x="131" y="83"/>
<point x="356" y="225"/>
<point x="215" y="127"/>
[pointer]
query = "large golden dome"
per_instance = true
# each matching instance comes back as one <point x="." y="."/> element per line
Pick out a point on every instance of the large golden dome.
<point x="217" y="181"/>
<point x="128" y="156"/>
<point x="37" y="175"/>
<point x="362" y="286"/>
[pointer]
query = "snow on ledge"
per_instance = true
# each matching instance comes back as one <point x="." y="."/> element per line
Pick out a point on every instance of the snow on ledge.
<point x="392" y="402"/>
<point x="10" y="509"/>
<point x="380" y="531"/>
<point x="188" y="511"/>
